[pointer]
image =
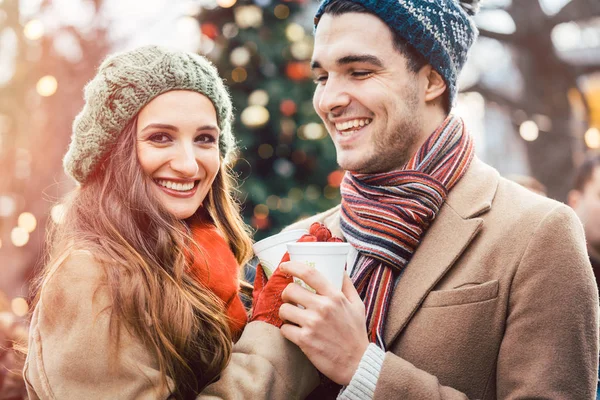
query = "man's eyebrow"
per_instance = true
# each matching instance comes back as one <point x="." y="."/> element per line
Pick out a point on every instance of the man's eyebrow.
<point x="360" y="58"/>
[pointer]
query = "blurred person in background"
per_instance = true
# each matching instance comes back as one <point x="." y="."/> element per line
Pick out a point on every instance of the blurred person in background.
<point x="139" y="296"/>
<point x="466" y="285"/>
<point x="585" y="200"/>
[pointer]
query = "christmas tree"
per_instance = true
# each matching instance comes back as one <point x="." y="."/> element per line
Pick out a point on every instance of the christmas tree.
<point x="287" y="164"/>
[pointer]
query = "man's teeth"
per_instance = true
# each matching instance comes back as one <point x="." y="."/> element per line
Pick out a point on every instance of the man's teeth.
<point x="180" y="187"/>
<point x="355" y="123"/>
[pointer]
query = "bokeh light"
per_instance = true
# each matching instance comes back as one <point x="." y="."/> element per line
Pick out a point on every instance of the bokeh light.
<point x="19" y="306"/>
<point x="27" y="221"/>
<point x="294" y="32"/>
<point x="239" y="75"/>
<point x="255" y="116"/>
<point x="47" y="86"/>
<point x="19" y="236"/>
<point x="312" y="131"/>
<point x="34" y="29"/>
<point x="57" y="213"/>
<point x="248" y="16"/>
<point x="265" y="151"/>
<point x="592" y="138"/>
<point x="226" y="3"/>
<point x="7" y="206"/>
<point x="240" y="56"/>
<point x="258" y="98"/>
<point x="261" y="211"/>
<point x="529" y="131"/>
<point x="281" y="11"/>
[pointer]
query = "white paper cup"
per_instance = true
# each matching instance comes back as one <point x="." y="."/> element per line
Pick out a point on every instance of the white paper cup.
<point x="329" y="258"/>
<point x="270" y="250"/>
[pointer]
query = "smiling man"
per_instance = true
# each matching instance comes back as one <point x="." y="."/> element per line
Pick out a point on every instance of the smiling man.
<point x="463" y="284"/>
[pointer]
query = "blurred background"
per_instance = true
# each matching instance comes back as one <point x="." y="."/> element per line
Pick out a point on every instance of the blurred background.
<point x="530" y="94"/>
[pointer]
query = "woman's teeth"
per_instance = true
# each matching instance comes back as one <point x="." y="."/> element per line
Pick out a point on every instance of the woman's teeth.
<point x="351" y="125"/>
<point x="180" y="187"/>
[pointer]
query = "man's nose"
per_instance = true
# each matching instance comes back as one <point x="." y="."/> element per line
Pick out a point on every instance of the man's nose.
<point x="332" y="96"/>
<point x="185" y="162"/>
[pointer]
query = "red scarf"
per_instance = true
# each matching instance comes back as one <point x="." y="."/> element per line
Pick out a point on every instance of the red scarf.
<point x="217" y="269"/>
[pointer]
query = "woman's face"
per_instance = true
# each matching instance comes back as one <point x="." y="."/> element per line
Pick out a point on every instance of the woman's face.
<point x="178" y="149"/>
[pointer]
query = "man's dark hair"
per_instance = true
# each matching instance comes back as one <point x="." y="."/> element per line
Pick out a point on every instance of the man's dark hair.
<point x="585" y="171"/>
<point x="415" y="60"/>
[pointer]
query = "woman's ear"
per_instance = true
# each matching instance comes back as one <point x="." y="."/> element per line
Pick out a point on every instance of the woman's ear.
<point x="435" y="84"/>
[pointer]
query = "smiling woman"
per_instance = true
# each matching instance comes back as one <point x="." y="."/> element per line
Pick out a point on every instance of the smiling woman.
<point x="139" y="298"/>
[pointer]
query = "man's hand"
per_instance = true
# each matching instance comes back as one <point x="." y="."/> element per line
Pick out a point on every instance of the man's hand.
<point x="331" y="329"/>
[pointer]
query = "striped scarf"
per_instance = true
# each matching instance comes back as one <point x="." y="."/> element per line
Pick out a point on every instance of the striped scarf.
<point x="384" y="216"/>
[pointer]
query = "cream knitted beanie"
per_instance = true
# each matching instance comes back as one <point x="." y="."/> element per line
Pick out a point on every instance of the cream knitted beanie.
<point x="125" y="83"/>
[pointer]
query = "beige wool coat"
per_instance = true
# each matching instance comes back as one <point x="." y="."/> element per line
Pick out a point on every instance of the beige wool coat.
<point x="498" y="302"/>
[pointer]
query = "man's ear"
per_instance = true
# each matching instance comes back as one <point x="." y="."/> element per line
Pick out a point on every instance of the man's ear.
<point x="573" y="198"/>
<point x="435" y="84"/>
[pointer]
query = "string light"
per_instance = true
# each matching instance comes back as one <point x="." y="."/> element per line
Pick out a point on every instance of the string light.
<point x="239" y="75"/>
<point x="255" y="116"/>
<point x="34" y="29"/>
<point x="296" y="194"/>
<point x="592" y="138"/>
<point x="265" y="151"/>
<point x="226" y="3"/>
<point x="273" y="202"/>
<point x="47" y="86"/>
<point x="27" y="221"/>
<point x="281" y="11"/>
<point x="19" y="306"/>
<point x="240" y="56"/>
<point x="294" y="32"/>
<point x="312" y="131"/>
<point x="261" y="211"/>
<point x="258" y="98"/>
<point x="248" y="16"/>
<point x="19" y="236"/>
<point x="529" y="131"/>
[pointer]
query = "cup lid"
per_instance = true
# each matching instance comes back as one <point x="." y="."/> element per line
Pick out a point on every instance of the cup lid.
<point x="319" y="247"/>
<point x="280" y="238"/>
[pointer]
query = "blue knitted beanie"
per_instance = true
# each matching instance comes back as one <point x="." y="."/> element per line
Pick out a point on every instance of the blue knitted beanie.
<point x="441" y="30"/>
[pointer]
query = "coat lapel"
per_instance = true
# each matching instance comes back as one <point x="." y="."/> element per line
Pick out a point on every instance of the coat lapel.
<point x="449" y="235"/>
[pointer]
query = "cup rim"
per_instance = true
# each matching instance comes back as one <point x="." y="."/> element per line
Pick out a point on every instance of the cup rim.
<point x="277" y="239"/>
<point x="309" y="247"/>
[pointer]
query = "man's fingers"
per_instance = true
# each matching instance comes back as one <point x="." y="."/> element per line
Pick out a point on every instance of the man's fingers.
<point x="349" y="290"/>
<point x="291" y="333"/>
<point x="291" y="313"/>
<point x="310" y="276"/>
<point x="296" y="294"/>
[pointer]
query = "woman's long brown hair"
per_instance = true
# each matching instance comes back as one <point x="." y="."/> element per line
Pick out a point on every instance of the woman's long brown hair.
<point x="144" y="252"/>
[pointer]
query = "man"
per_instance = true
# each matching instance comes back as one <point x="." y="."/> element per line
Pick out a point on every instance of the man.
<point x="473" y="286"/>
<point x="477" y="288"/>
<point x="585" y="200"/>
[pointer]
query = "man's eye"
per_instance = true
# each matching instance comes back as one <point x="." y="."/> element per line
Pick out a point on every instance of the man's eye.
<point x="362" y="74"/>
<point x="321" y="79"/>
<point x="160" y="138"/>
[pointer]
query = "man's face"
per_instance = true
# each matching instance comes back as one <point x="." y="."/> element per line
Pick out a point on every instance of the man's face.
<point x="368" y="99"/>
<point x="587" y="206"/>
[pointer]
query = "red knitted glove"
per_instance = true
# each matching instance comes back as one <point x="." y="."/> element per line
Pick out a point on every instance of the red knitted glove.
<point x="266" y="297"/>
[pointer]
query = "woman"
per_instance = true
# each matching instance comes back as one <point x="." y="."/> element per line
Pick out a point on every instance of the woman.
<point x="139" y="298"/>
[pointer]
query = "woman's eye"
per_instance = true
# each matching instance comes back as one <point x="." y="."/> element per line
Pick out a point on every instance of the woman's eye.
<point x="160" y="138"/>
<point x="205" y="138"/>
